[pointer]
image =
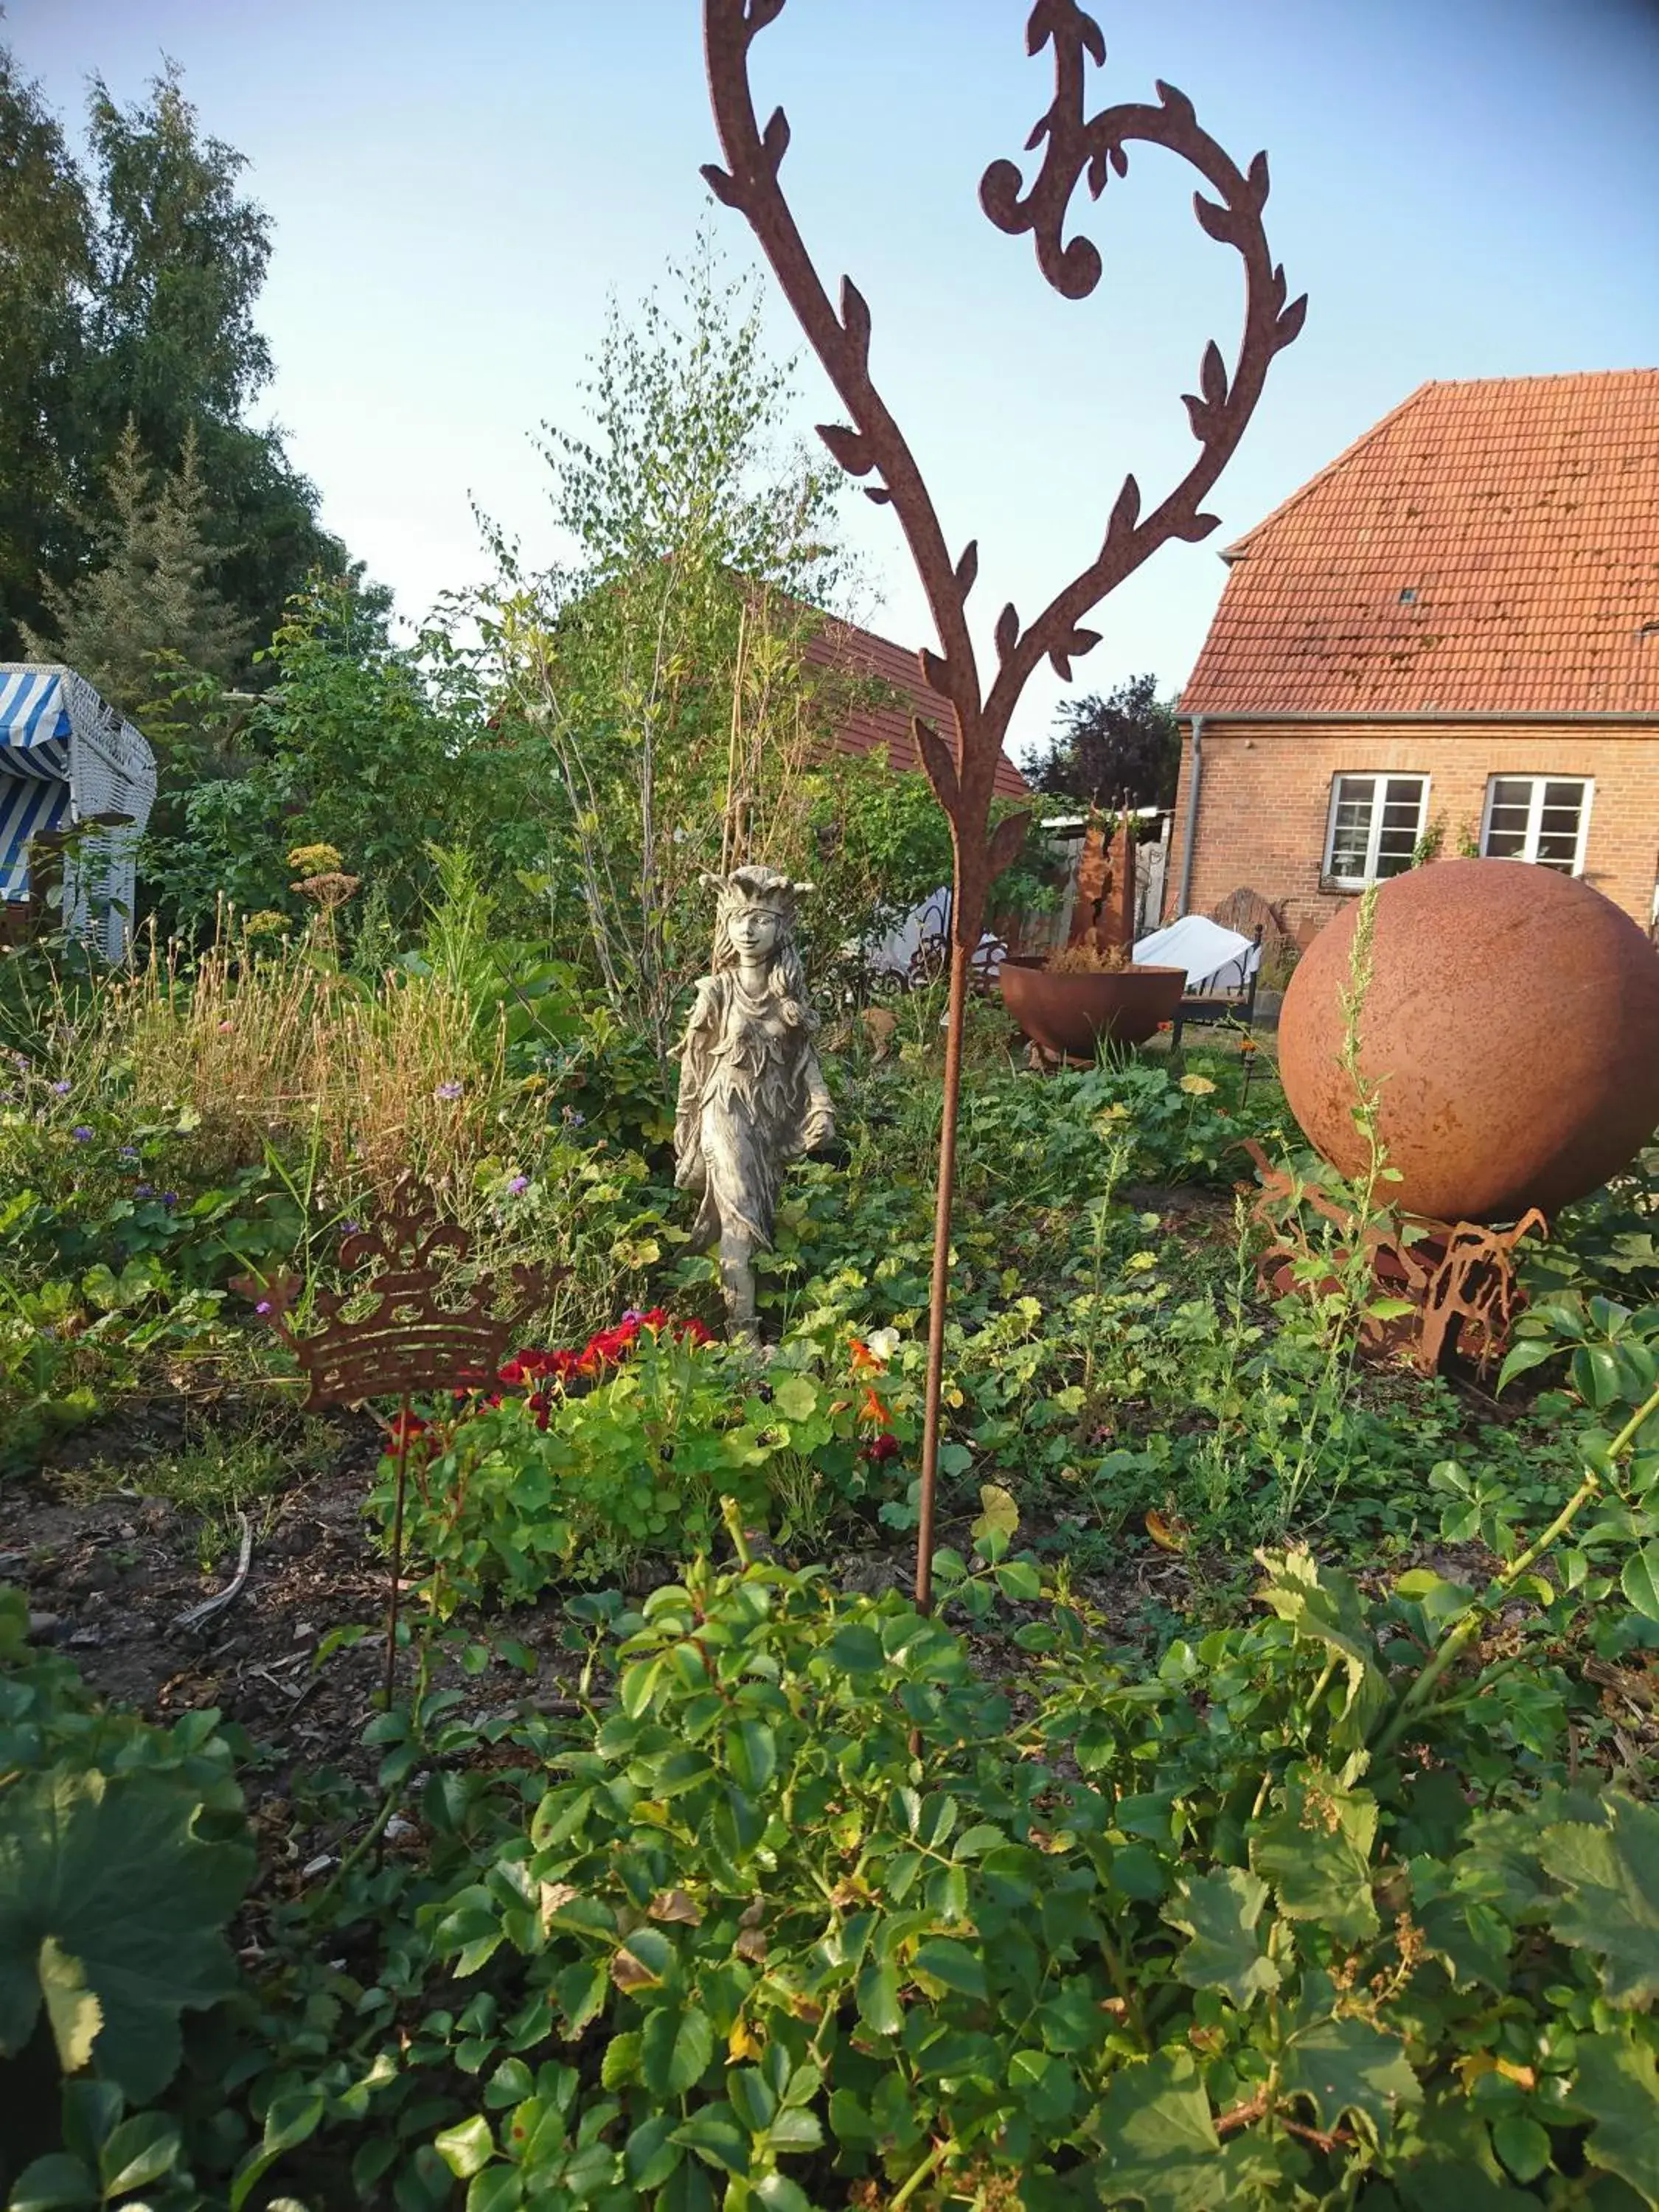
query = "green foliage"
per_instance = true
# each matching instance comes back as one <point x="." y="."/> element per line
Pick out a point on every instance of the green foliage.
<point x="122" y="1858"/>
<point x="130" y="292"/>
<point x="1104" y="751"/>
<point x="582" y="1483"/>
<point x="111" y="1916"/>
<point x="375" y="749"/>
<point x="145" y="597"/>
<point x="807" y="1904"/>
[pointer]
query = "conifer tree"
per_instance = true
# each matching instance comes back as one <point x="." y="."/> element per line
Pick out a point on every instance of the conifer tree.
<point x="147" y="606"/>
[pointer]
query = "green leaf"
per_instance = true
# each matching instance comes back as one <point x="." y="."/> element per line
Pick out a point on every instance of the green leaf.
<point x="1640" y="1581"/>
<point x="796" y="1398"/>
<point x="467" y="2148"/>
<point x="1348" y="2066"/>
<point x="649" y="2155"/>
<point x="140" y="2151"/>
<point x="53" y="2183"/>
<point x="1618" y="2087"/>
<point x="293" y="2118"/>
<point x="779" y="2194"/>
<point x="943" y="1960"/>
<point x="1324" y="1606"/>
<point x="1530" y="1352"/>
<point x="795" y="2129"/>
<point x="1522" y="2145"/>
<point x="1316" y="1854"/>
<point x="1611" y="1878"/>
<point x="752" y="2098"/>
<point x="857" y="1649"/>
<point x="751" y="1752"/>
<point x="1218" y="1910"/>
<point x="718" y="2137"/>
<point x="496" y="2189"/>
<point x="1019" y="1580"/>
<point x="1159" y="2143"/>
<point x="675" y="2048"/>
<point x="879" y="2000"/>
<point x="621" y="2061"/>
<point x="110" y="1871"/>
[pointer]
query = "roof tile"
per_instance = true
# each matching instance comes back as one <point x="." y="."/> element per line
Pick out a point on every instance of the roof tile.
<point x="1490" y="546"/>
<point x="839" y="646"/>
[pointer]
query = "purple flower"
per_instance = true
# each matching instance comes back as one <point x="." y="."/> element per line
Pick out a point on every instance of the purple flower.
<point x="62" y="1088"/>
<point x="129" y="1151"/>
<point x="448" y="1090"/>
<point x="350" y="1227"/>
<point x="169" y="1198"/>
<point x="519" y="1184"/>
<point x="633" y="1315"/>
<point x="263" y="1306"/>
<point x="572" y="1119"/>
<point x="83" y="1135"/>
<point x="144" y="1190"/>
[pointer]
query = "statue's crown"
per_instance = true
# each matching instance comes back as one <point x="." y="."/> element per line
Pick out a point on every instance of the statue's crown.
<point x="757" y="886"/>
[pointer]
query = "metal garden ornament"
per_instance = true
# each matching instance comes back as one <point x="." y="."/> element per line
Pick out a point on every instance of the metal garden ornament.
<point x="962" y="767"/>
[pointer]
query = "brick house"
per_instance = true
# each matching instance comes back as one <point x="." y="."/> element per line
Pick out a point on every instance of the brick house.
<point x="1448" y="639"/>
<point x="899" y="692"/>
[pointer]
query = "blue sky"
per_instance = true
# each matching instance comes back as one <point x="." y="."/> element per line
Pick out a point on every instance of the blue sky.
<point x="1464" y="187"/>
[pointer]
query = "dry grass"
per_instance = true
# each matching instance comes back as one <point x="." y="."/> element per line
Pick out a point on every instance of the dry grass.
<point x="281" y="1046"/>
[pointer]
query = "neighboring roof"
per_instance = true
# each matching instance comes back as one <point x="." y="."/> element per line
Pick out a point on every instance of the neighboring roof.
<point x="1490" y="547"/>
<point x="842" y="646"/>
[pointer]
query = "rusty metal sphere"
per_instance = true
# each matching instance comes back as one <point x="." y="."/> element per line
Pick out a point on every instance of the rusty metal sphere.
<point x="1510" y="1028"/>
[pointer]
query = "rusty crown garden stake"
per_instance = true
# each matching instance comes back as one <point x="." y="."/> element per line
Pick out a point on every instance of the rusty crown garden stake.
<point x="963" y="774"/>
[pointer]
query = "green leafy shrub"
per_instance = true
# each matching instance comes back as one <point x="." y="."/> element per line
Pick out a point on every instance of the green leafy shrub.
<point x="811" y="1903"/>
<point x="122" y="1858"/>
<point x="554" y="1485"/>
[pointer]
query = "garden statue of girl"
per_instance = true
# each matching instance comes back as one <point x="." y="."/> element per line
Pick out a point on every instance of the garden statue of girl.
<point x="752" y="1097"/>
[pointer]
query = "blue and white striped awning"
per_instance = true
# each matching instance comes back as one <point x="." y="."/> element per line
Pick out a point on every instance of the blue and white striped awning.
<point x="34" y="723"/>
<point x="35" y="768"/>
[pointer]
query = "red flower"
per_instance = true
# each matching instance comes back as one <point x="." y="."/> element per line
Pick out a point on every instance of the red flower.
<point x="514" y="1373"/>
<point x="541" y="1408"/>
<point x="693" y="1331"/>
<point x="404" y="1430"/>
<point x="656" y="1319"/>
<point x="885" y="1446"/>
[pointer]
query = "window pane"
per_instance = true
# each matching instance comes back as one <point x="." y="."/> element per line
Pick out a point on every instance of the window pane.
<point x="1558" y="825"/>
<point x="1402" y="812"/>
<point x="1506" y="821"/>
<point x="1352" y="829"/>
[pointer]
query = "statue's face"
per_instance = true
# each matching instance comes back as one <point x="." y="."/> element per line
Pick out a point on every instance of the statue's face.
<point x="756" y="932"/>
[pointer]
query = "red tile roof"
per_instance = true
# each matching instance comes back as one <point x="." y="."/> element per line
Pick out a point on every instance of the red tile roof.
<point x="840" y="646"/>
<point x="1491" y="546"/>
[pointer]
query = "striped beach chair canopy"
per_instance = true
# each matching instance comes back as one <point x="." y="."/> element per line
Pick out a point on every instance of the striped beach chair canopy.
<point x="66" y="757"/>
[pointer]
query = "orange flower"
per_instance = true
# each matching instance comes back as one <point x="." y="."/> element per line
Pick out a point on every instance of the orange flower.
<point x="873" y="1410"/>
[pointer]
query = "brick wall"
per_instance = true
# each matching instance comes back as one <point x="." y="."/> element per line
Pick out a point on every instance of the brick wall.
<point x="1265" y="799"/>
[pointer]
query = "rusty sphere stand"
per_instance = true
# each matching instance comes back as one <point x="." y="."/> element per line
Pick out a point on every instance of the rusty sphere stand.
<point x="1076" y="147"/>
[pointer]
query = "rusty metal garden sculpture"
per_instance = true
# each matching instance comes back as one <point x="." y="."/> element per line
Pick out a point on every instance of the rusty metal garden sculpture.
<point x="1076" y="147"/>
<point x="406" y="1329"/>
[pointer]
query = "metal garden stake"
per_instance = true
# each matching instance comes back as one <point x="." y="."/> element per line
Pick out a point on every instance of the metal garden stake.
<point x="1075" y="146"/>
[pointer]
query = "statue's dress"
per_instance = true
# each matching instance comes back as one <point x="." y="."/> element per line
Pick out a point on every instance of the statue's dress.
<point x="751" y="1099"/>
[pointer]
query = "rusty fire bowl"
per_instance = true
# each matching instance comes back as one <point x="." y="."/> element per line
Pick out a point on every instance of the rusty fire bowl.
<point x="1069" y="1015"/>
<point x="1512" y="1029"/>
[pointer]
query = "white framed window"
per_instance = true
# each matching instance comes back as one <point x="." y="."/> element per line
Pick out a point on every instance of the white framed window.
<point x="1375" y="823"/>
<point x="1543" y="818"/>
